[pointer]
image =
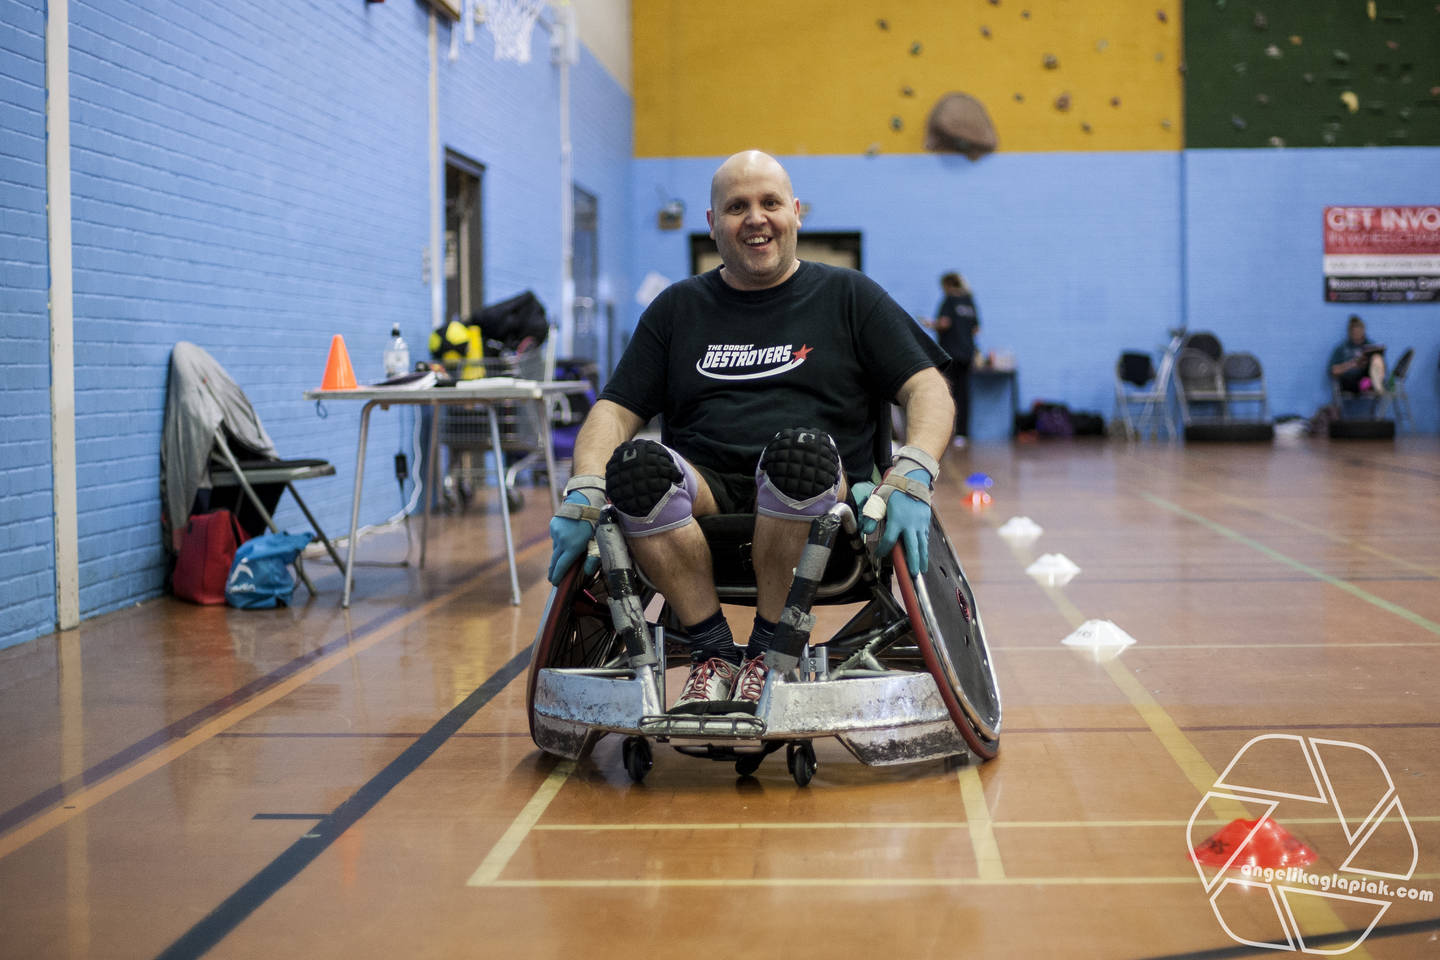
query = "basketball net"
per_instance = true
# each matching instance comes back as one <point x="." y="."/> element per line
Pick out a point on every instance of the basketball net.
<point x="510" y="23"/>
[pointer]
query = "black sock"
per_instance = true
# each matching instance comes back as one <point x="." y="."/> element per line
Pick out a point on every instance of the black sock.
<point x="762" y="633"/>
<point x="711" y="637"/>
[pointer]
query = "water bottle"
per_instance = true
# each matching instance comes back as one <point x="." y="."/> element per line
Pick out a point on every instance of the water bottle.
<point x="397" y="355"/>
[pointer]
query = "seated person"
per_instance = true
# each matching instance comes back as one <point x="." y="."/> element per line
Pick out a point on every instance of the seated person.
<point x="1357" y="364"/>
<point x="766" y="372"/>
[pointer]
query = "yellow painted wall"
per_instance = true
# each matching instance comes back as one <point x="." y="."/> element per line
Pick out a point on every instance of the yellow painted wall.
<point x="823" y="77"/>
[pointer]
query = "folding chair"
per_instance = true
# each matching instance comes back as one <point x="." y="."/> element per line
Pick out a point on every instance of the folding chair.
<point x="1199" y="382"/>
<point x="208" y="419"/>
<point x="1139" y="383"/>
<point x="1395" y="398"/>
<point x="1244" y="381"/>
<point x="1203" y="342"/>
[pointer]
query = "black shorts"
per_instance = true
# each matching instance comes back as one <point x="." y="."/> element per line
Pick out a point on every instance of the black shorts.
<point x="735" y="492"/>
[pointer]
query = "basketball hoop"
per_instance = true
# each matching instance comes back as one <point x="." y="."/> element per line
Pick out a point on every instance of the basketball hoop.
<point x="510" y="23"/>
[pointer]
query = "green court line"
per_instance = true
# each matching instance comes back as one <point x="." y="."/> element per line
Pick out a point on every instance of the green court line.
<point x="1294" y="564"/>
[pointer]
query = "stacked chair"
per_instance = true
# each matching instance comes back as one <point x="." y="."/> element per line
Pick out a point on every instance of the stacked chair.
<point x="1222" y="396"/>
<point x="1142" y="395"/>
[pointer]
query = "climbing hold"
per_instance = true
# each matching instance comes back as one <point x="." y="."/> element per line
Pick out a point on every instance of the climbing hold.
<point x="1276" y="142"/>
<point x="883" y="24"/>
<point x="1340" y="56"/>
<point x="1295" y="41"/>
<point x="1114" y="101"/>
<point x="1273" y="52"/>
<point x="1262" y="98"/>
<point x="1352" y="102"/>
<point x="1260" y="22"/>
<point x="959" y="123"/>
<point x="1237" y="122"/>
<point x="915" y="49"/>
<point x="1062" y="102"/>
<point x="896" y="123"/>
<point x="1160" y="15"/>
<point x="1050" y="61"/>
<point x="984" y="31"/>
<point x="1100" y="45"/>
<point x="907" y="91"/>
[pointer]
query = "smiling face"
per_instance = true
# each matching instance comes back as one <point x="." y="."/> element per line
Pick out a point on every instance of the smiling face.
<point x="754" y="219"/>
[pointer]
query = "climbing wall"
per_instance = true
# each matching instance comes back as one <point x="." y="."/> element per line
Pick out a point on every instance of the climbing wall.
<point x="819" y="77"/>
<point x="1312" y="73"/>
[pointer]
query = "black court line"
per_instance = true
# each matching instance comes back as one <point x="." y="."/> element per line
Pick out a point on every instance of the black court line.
<point x="26" y="809"/>
<point x="1392" y="468"/>
<point x="288" y="865"/>
<point x="1329" y="939"/>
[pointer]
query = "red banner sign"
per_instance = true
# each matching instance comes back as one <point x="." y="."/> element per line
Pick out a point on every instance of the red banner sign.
<point x="1382" y="254"/>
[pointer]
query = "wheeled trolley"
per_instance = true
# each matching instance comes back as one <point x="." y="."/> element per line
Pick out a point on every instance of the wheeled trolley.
<point x="907" y="678"/>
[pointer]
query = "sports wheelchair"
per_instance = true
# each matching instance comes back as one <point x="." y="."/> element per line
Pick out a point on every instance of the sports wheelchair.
<point x="908" y="678"/>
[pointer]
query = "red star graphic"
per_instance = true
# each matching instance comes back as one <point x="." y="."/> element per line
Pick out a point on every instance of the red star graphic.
<point x="803" y="352"/>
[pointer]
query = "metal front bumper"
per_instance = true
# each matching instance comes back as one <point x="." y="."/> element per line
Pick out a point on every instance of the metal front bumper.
<point x="888" y="718"/>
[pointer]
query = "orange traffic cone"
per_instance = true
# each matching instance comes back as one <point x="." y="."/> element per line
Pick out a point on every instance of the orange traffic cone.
<point x="339" y="375"/>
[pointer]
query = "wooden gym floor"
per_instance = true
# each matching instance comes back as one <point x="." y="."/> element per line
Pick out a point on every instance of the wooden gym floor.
<point x="311" y="782"/>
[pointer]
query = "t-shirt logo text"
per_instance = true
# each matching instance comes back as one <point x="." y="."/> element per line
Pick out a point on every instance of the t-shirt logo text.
<point x="746" y="361"/>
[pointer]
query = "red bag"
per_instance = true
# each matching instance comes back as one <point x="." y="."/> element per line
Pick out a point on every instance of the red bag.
<point x="207" y="548"/>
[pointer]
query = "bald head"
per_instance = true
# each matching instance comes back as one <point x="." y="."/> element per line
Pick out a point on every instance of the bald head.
<point x="747" y="163"/>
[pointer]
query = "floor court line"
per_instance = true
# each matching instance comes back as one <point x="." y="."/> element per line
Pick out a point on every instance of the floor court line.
<point x="251" y="895"/>
<point x="922" y="825"/>
<point x="1309" y="527"/>
<point x="83" y="799"/>
<point x="1279" y="557"/>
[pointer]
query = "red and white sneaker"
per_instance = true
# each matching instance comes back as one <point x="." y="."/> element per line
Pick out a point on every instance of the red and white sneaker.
<point x="709" y="681"/>
<point x="749" y="683"/>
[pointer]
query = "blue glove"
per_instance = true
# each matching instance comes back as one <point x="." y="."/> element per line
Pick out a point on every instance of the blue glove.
<point x="907" y="521"/>
<point x="569" y="539"/>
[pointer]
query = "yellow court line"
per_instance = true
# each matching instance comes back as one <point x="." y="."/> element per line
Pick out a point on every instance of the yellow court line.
<point x="495" y="861"/>
<point x="923" y="825"/>
<point x="977" y="815"/>
<point x="82" y="800"/>
<point x="618" y="882"/>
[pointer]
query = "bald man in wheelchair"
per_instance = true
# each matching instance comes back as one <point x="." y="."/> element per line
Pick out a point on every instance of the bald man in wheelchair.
<point x="765" y="374"/>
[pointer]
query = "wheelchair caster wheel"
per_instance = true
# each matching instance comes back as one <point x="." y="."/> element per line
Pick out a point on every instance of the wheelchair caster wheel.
<point x="514" y="499"/>
<point x="800" y="758"/>
<point x="637" y="756"/>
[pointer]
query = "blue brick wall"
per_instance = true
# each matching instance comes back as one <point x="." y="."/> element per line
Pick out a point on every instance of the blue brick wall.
<point x="27" y="554"/>
<point x="252" y="178"/>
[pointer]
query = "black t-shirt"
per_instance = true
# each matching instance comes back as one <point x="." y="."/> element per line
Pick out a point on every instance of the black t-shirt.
<point x="727" y="369"/>
<point x="958" y="339"/>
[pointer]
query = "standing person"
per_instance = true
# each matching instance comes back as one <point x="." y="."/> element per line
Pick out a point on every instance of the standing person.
<point x="1357" y="363"/>
<point x="957" y="322"/>
<point x="766" y="372"/>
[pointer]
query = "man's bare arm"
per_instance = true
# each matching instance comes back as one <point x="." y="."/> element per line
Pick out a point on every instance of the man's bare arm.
<point x="929" y="411"/>
<point x="606" y="427"/>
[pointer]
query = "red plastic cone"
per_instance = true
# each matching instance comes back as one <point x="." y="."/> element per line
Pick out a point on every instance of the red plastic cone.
<point x="1271" y="846"/>
<point x="339" y="375"/>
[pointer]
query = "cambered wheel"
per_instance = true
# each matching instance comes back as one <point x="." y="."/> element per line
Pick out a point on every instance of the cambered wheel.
<point x="637" y="756"/>
<point x="800" y="758"/>
<point x="575" y="630"/>
<point x="951" y="639"/>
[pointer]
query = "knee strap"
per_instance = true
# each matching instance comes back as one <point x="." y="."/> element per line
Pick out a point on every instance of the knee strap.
<point x="653" y="488"/>
<point x="799" y="474"/>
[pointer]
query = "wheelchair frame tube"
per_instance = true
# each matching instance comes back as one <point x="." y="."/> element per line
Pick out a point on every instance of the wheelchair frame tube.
<point x="623" y="600"/>
<point x="792" y="633"/>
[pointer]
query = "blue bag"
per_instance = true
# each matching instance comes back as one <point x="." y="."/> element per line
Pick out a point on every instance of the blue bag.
<point x="260" y="574"/>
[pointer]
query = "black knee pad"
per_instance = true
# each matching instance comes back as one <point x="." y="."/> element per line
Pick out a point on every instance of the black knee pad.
<point x="651" y="488"/>
<point x="799" y="474"/>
